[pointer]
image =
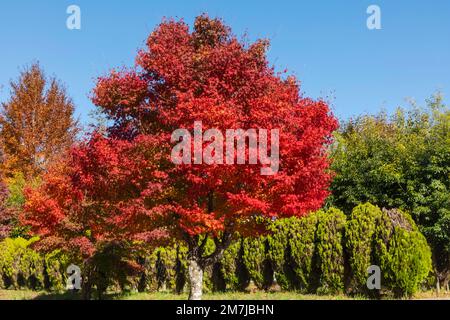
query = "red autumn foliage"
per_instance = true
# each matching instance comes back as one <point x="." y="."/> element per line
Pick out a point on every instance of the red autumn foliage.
<point x="124" y="186"/>
<point x="98" y="194"/>
<point x="7" y="214"/>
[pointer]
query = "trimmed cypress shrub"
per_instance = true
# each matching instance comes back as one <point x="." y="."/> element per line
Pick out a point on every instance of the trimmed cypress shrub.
<point x="160" y="269"/>
<point x="302" y="247"/>
<point x="330" y="251"/>
<point x="359" y="236"/>
<point x="278" y="255"/>
<point x="20" y="266"/>
<point x="402" y="253"/>
<point x="230" y="266"/>
<point x="56" y="264"/>
<point x="254" y="258"/>
<point x="210" y="277"/>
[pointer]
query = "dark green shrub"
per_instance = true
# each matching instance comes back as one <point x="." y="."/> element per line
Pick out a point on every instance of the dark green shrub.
<point x="164" y="268"/>
<point x="230" y="266"/>
<point x="181" y="267"/>
<point x="113" y="265"/>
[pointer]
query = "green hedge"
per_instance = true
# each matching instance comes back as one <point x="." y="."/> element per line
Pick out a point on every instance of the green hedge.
<point x="20" y="267"/>
<point x="324" y="252"/>
<point x="230" y="266"/>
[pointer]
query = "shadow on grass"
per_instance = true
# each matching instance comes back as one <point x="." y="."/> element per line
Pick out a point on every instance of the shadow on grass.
<point x="72" y="296"/>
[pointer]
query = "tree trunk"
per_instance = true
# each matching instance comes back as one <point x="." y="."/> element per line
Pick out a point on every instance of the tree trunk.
<point x="86" y="281"/>
<point x="444" y="282"/>
<point x="195" y="280"/>
<point x="86" y="290"/>
<point x="198" y="261"/>
<point x="438" y="286"/>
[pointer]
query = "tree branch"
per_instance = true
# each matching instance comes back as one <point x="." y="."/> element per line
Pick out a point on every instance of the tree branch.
<point x="220" y="248"/>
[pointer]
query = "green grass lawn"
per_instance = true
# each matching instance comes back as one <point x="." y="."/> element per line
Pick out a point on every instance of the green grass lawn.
<point x="233" y="296"/>
<point x="32" y="295"/>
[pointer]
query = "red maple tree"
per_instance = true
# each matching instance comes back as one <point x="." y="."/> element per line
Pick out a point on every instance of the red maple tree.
<point x="124" y="186"/>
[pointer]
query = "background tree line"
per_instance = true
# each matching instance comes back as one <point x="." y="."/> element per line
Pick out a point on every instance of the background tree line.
<point x="402" y="161"/>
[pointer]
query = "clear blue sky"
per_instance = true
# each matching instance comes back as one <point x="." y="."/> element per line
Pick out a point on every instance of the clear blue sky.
<point x="325" y="43"/>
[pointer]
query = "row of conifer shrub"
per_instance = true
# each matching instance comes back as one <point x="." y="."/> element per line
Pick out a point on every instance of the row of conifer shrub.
<point x="326" y="252"/>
